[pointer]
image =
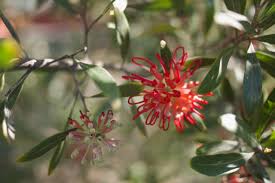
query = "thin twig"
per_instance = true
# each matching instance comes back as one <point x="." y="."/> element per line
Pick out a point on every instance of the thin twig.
<point x="101" y="15"/>
<point x="73" y="105"/>
<point x="78" y="90"/>
<point x="83" y="16"/>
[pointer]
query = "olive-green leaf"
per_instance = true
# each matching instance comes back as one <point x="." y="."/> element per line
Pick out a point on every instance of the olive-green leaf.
<point x="256" y="168"/>
<point x="9" y="27"/>
<point x="44" y="146"/>
<point x="156" y="5"/>
<point x="217" y="147"/>
<point x="103" y="80"/>
<point x="252" y="82"/>
<point x="57" y="155"/>
<point x="216" y="73"/>
<point x="165" y="53"/>
<point x="123" y="32"/>
<point x="219" y="164"/>
<point x="267" y="114"/>
<point x="270" y="142"/>
<point x="127" y="89"/>
<point x="267" y="38"/>
<point x="13" y="95"/>
<point x="240" y="129"/>
<point x="236" y="5"/>
<point x="267" y="62"/>
<point x="267" y="15"/>
<point x="227" y="91"/>
<point x="203" y="61"/>
<point x="66" y="4"/>
<point x="209" y="15"/>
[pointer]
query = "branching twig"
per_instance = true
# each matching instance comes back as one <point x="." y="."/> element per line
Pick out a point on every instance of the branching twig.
<point x="101" y="15"/>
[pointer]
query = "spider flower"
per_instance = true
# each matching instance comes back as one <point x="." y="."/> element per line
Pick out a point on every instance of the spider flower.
<point x="89" y="139"/>
<point x="169" y="95"/>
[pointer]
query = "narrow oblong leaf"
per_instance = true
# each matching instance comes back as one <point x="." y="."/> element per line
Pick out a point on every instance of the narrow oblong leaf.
<point x="235" y="20"/>
<point x="209" y="15"/>
<point x="217" y="147"/>
<point x="219" y="164"/>
<point x="44" y="146"/>
<point x="236" y="5"/>
<point x="270" y="142"/>
<point x="202" y="61"/>
<point x="216" y="73"/>
<point x="123" y="32"/>
<point x="156" y="5"/>
<point x="252" y="82"/>
<point x="267" y="114"/>
<point x="267" y="15"/>
<point x="57" y="155"/>
<point x="104" y="81"/>
<point x="9" y="27"/>
<point x="240" y="129"/>
<point x="258" y="170"/>
<point x="267" y="38"/>
<point x="165" y="53"/>
<point x="13" y="95"/>
<point x="227" y="91"/>
<point x="127" y="89"/>
<point x="267" y="62"/>
<point x="65" y="4"/>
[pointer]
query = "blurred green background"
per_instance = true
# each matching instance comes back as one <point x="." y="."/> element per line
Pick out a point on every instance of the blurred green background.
<point x="48" y="30"/>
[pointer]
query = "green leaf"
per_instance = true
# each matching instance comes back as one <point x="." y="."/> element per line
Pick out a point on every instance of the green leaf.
<point x="252" y="83"/>
<point x="139" y="121"/>
<point x="258" y="170"/>
<point x="9" y="27"/>
<point x="240" y="129"/>
<point x="209" y="15"/>
<point x="236" y="5"/>
<point x="227" y="91"/>
<point x="217" y="147"/>
<point x="127" y="89"/>
<point x="7" y="105"/>
<point x="203" y="61"/>
<point x="44" y="146"/>
<point x="267" y="114"/>
<point x="165" y="53"/>
<point x="235" y="20"/>
<point x="123" y="32"/>
<point x="219" y="164"/>
<point x="66" y="4"/>
<point x="216" y="73"/>
<point x="267" y="62"/>
<point x="156" y="5"/>
<point x="104" y="81"/>
<point x="2" y="81"/>
<point x="57" y="155"/>
<point x="270" y="142"/>
<point x="267" y="38"/>
<point x="13" y="95"/>
<point x="267" y="16"/>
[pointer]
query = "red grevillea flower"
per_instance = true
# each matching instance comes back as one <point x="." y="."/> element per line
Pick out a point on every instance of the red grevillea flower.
<point x="168" y="96"/>
<point x="89" y="138"/>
